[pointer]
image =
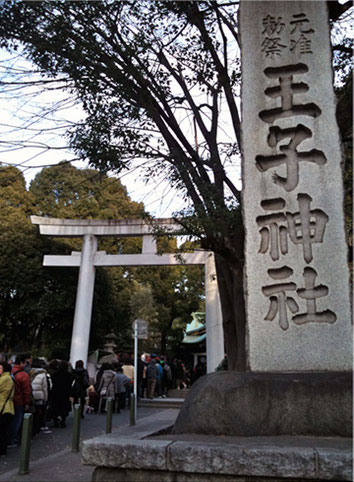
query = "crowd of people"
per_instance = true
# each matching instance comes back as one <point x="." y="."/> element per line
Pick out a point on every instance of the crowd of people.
<point x="49" y="390"/>
<point x="32" y="386"/>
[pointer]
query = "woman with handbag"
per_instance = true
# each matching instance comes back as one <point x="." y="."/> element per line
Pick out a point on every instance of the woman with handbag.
<point x="7" y="388"/>
<point x="106" y="387"/>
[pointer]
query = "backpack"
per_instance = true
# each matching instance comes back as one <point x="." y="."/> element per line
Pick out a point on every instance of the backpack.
<point x="31" y="406"/>
<point x="79" y="384"/>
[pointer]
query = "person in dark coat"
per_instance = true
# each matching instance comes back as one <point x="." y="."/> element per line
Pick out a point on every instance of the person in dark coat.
<point x="95" y="395"/>
<point x="140" y="379"/>
<point x="120" y="383"/>
<point x="79" y="385"/>
<point x="152" y="373"/>
<point x="61" y="405"/>
<point x="166" y="379"/>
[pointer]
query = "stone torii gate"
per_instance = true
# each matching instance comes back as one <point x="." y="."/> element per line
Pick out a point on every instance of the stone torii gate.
<point x="90" y="258"/>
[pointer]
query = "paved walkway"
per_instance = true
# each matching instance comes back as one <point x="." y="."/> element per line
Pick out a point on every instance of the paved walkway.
<point x="51" y="458"/>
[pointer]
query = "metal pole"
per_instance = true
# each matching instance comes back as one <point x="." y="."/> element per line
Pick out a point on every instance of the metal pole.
<point x="76" y="428"/>
<point x="109" y="408"/>
<point x="135" y="368"/>
<point x="132" y="407"/>
<point x="25" y="444"/>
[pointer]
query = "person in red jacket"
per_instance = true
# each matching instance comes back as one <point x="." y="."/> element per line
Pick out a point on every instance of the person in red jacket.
<point x="22" y="398"/>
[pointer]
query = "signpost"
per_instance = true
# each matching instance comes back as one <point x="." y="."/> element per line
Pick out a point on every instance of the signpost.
<point x="140" y="332"/>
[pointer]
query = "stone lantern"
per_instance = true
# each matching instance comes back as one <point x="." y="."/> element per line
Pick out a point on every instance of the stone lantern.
<point x="110" y="344"/>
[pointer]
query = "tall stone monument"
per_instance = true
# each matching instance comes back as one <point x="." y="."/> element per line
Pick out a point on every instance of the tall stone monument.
<point x="299" y="331"/>
<point x="297" y="278"/>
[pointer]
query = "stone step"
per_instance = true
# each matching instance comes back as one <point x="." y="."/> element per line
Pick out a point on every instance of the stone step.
<point x="161" y="402"/>
<point x="174" y="393"/>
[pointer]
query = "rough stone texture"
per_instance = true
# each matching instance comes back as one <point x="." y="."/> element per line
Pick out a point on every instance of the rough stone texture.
<point x="334" y="464"/>
<point x="243" y="460"/>
<point x="292" y="157"/>
<point x="252" y="404"/>
<point x="261" y="461"/>
<point x="103" y="474"/>
<point x="125" y="453"/>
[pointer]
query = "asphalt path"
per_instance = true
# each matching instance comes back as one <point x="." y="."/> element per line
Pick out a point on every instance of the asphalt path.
<point x="51" y="458"/>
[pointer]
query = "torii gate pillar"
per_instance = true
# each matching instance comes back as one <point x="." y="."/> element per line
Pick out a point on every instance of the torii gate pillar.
<point x="84" y="297"/>
<point x="213" y="318"/>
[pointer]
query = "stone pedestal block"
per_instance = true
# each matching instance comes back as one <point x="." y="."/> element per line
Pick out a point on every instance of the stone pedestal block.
<point x="254" y="404"/>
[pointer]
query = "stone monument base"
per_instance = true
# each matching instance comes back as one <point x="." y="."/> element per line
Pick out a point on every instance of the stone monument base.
<point x="241" y="427"/>
<point x="148" y="452"/>
<point x="269" y="404"/>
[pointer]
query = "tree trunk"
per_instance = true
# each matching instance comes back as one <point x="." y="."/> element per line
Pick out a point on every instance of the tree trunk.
<point x="163" y="342"/>
<point x="229" y="268"/>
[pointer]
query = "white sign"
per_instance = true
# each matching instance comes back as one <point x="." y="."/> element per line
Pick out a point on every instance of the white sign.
<point x="141" y="327"/>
